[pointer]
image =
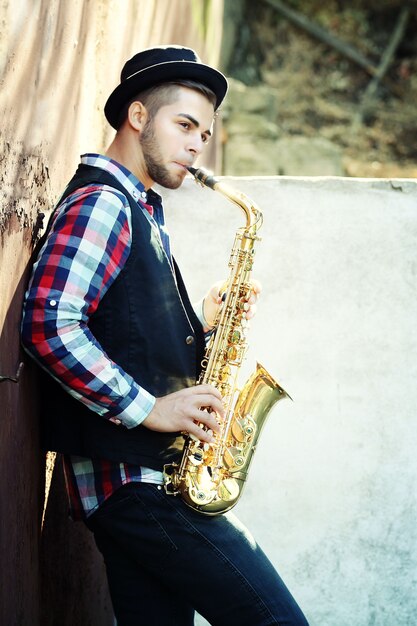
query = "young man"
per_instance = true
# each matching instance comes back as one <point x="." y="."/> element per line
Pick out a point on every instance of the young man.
<point x="108" y="317"/>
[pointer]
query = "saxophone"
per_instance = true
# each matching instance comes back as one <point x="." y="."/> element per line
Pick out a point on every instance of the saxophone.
<point x="210" y="477"/>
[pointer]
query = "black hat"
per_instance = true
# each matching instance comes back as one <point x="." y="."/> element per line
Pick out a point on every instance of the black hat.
<point x="160" y="65"/>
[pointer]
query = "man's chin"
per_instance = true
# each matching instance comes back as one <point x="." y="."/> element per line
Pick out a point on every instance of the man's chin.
<point x="172" y="182"/>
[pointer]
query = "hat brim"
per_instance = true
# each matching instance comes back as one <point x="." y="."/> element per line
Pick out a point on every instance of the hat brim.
<point x="162" y="73"/>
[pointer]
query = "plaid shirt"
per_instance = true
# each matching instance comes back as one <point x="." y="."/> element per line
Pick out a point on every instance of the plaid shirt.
<point x="87" y="247"/>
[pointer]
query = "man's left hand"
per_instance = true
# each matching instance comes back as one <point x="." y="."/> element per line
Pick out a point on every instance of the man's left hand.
<point x="214" y="298"/>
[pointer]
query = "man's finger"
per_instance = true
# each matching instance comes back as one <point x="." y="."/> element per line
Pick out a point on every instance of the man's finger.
<point x="196" y="431"/>
<point x="208" y="419"/>
<point x="208" y="390"/>
<point x="205" y="402"/>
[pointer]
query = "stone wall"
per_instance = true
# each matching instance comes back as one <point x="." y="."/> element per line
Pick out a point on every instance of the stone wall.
<point x="257" y="141"/>
<point x="255" y="144"/>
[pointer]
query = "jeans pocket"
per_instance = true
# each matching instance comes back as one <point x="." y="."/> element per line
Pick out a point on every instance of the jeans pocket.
<point x="154" y="523"/>
<point x="108" y="508"/>
<point x="132" y="519"/>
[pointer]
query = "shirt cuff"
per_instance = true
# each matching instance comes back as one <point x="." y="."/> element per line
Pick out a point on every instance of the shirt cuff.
<point x="137" y="411"/>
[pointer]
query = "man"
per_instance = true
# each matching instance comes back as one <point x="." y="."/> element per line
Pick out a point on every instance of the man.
<point x="108" y="317"/>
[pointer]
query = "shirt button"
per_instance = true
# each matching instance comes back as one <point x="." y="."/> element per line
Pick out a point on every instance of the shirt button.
<point x="189" y="340"/>
<point x="52" y="302"/>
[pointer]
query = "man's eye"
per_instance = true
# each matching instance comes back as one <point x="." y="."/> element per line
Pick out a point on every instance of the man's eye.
<point x="205" y="138"/>
<point x="185" y="125"/>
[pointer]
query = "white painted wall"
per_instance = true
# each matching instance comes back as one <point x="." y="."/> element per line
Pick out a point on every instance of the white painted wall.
<point x="332" y="493"/>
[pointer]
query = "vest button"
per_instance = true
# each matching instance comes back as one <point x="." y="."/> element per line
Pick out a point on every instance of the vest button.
<point x="189" y="340"/>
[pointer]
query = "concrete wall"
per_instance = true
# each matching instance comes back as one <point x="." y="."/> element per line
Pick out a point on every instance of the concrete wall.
<point x="59" y="60"/>
<point x="331" y="496"/>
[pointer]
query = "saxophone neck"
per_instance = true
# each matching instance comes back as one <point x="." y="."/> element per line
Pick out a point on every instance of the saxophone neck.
<point x="251" y="211"/>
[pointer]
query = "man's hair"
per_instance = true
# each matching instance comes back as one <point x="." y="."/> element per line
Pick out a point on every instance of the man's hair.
<point x="158" y="96"/>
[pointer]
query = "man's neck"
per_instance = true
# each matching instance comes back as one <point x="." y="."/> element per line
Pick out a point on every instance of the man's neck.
<point x="130" y="157"/>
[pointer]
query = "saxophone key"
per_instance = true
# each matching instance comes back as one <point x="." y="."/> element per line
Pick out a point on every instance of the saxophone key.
<point x="243" y="429"/>
<point x="228" y="458"/>
<point x="234" y="337"/>
<point x="224" y="374"/>
<point x="196" y="458"/>
<point x="233" y="457"/>
<point x="228" y="490"/>
<point x="249" y="426"/>
<point x="238" y="431"/>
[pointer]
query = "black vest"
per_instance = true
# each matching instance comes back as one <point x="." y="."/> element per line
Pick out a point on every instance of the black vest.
<point x="146" y="324"/>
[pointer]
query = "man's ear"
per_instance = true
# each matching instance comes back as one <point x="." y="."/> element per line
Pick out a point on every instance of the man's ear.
<point x="137" y="115"/>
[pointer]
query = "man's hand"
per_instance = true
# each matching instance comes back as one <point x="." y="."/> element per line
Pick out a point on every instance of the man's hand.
<point x="213" y="301"/>
<point x="181" y="411"/>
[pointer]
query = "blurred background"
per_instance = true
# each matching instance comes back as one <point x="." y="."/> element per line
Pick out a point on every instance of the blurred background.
<point x="321" y="88"/>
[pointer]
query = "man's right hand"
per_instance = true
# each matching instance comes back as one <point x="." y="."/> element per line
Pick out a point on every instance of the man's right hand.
<point x="181" y="411"/>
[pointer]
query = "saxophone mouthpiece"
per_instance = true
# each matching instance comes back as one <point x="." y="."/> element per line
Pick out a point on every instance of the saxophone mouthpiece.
<point x="203" y="176"/>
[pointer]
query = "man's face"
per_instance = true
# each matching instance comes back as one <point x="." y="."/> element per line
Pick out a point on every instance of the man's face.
<point x="174" y="138"/>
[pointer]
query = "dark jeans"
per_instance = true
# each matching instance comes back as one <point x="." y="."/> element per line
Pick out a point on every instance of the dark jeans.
<point x="164" y="560"/>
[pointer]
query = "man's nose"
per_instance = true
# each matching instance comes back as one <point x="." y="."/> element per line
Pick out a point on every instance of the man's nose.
<point x="196" y="145"/>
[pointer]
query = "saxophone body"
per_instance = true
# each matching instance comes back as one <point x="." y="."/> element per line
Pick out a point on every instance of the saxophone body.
<point x="210" y="477"/>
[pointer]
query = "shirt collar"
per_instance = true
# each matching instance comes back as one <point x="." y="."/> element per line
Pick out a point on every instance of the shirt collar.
<point x="124" y="176"/>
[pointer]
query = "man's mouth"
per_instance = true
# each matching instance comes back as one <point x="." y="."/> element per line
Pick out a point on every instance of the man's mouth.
<point x="185" y="166"/>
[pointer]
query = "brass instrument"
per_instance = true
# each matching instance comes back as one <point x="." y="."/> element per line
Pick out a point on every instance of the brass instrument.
<point x="210" y="477"/>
